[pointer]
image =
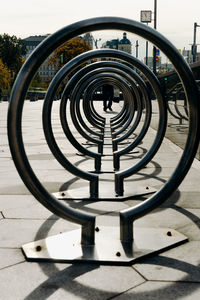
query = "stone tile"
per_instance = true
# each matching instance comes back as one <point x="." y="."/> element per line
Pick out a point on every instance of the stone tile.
<point x="30" y="210"/>
<point x="56" y="281"/>
<point x="192" y="231"/>
<point x="183" y="199"/>
<point x="111" y="219"/>
<point x="13" y="185"/>
<point x="4" y="140"/>
<point x="118" y="279"/>
<point x="181" y="263"/>
<point x="4" y="150"/>
<point x="190" y="183"/>
<point x="192" y="213"/>
<point x="162" y="290"/>
<point x="16" y="201"/>
<point x="7" y="165"/>
<point x="14" y="233"/>
<point x="45" y="165"/>
<point x="26" y="221"/>
<point x="168" y="217"/>
<point x="143" y="181"/>
<point x="139" y="199"/>
<point x="98" y="207"/>
<point x="26" y="207"/>
<point x="153" y="169"/>
<point x="17" y="187"/>
<point x="10" y="257"/>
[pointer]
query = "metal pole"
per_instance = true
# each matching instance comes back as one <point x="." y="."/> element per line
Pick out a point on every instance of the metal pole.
<point x="155" y="26"/>
<point x="147" y="51"/>
<point x="137" y="45"/>
<point x="95" y="42"/>
<point x="194" y="50"/>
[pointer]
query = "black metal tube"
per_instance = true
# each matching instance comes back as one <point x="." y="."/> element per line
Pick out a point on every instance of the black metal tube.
<point x="15" y="115"/>
<point x="69" y="90"/>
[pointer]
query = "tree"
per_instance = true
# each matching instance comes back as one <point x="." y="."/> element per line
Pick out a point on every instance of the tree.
<point x="67" y="51"/>
<point x="38" y="83"/>
<point x="11" y="51"/>
<point x="4" y="76"/>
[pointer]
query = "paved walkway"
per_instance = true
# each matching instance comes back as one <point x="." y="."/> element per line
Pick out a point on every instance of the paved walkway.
<point x="173" y="274"/>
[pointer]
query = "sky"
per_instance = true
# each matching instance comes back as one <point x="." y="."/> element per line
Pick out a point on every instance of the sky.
<point x="175" y="18"/>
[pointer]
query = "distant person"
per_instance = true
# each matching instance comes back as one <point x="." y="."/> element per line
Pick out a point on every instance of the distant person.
<point x="108" y="95"/>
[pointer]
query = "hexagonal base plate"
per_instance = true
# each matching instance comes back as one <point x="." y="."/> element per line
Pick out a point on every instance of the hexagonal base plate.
<point x="108" y="249"/>
<point x="105" y="194"/>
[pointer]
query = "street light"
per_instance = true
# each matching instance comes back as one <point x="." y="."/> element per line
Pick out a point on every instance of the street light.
<point x="96" y="41"/>
<point x="136" y="46"/>
<point x="155" y="26"/>
<point x="145" y="17"/>
<point x="194" y="46"/>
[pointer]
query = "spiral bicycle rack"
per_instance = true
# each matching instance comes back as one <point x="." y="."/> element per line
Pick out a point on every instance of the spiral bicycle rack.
<point x="106" y="244"/>
<point x="172" y="99"/>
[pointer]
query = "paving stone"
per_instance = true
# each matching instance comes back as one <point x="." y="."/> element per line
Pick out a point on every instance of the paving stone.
<point x="155" y="170"/>
<point x="183" y="199"/>
<point x="26" y="208"/>
<point x="98" y="207"/>
<point x="192" y="231"/>
<point x="10" y="257"/>
<point x="4" y="140"/>
<point x="79" y="281"/>
<point x="169" y="217"/>
<point x="13" y="189"/>
<point x="30" y="208"/>
<point x="191" y="183"/>
<point x="181" y="263"/>
<point x="15" y="201"/>
<point x="162" y="290"/>
<point x="14" y="233"/>
<point x="4" y="150"/>
<point x="7" y="165"/>
<point x="26" y="220"/>
<point x="133" y="182"/>
<point x="110" y="219"/>
<point x="17" y="187"/>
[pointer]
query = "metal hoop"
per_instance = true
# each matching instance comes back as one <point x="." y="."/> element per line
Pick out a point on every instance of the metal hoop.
<point x="15" y="117"/>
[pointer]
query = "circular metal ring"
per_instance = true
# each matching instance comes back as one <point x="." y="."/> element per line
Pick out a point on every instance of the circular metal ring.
<point x="15" y="116"/>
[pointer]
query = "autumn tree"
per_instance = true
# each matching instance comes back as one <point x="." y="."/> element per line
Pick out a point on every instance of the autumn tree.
<point x="68" y="50"/>
<point x="4" y="76"/>
<point x="12" y="50"/>
<point x="37" y="82"/>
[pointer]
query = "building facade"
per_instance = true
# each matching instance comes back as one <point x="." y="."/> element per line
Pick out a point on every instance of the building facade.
<point x="46" y="71"/>
<point x="124" y="44"/>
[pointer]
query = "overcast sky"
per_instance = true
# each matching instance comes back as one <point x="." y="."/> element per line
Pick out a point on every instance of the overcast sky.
<point x="175" y="18"/>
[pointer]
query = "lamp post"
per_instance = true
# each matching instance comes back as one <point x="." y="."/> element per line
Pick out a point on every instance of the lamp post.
<point x="146" y="53"/>
<point x="96" y="41"/>
<point x="145" y="17"/>
<point x="194" y="46"/>
<point x="136" y="46"/>
<point x="155" y="26"/>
